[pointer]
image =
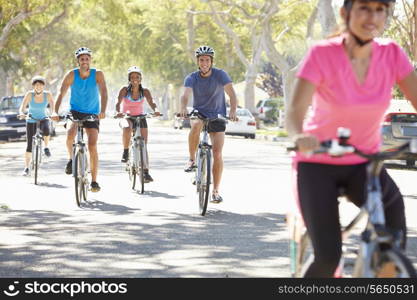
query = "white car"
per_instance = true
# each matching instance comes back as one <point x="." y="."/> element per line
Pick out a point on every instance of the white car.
<point x="246" y="126"/>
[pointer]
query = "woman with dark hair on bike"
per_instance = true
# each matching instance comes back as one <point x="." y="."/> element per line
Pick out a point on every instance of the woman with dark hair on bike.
<point x="347" y="80"/>
<point x="38" y="101"/>
<point x="132" y="98"/>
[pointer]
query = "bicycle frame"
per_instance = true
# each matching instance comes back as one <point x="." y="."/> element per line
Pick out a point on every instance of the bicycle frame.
<point x="137" y="141"/>
<point x="203" y="147"/>
<point x="79" y="145"/>
<point x="375" y="233"/>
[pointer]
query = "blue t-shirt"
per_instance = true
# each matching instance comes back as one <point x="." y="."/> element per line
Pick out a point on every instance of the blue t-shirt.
<point x="208" y="92"/>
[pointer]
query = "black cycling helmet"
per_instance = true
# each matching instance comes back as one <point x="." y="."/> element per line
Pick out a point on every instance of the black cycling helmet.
<point x="347" y="2"/>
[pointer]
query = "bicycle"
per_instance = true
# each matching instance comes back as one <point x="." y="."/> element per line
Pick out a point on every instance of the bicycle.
<point x="203" y="162"/>
<point x="80" y="160"/>
<point x="378" y="245"/>
<point x="36" y="148"/>
<point x="138" y="160"/>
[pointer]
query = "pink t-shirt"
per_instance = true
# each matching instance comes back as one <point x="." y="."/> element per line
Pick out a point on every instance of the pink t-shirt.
<point x="341" y="101"/>
<point x="133" y="107"/>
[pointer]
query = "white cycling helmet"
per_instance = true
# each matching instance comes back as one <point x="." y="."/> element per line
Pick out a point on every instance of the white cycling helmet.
<point x="38" y="78"/>
<point x="133" y="69"/>
<point x="82" y="50"/>
<point x="204" y="50"/>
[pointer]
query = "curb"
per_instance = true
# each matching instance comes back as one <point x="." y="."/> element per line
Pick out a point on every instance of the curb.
<point x="272" y="138"/>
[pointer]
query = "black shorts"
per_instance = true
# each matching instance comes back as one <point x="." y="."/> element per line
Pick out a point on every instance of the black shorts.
<point x="31" y="130"/>
<point x="79" y="115"/>
<point x="142" y="122"/>
<point x="217" y="125"/>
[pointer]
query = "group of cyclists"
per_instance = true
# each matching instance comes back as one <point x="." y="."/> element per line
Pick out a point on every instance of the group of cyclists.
<point x="89" y="97"/>
<point x="346" y="79"/>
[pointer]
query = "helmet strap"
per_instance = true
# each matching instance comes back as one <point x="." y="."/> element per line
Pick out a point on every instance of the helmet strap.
<point x="359" y="41"/>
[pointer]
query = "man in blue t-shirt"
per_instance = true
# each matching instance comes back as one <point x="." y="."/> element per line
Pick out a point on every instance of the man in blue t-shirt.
<point x="86" y="84"/>
<point x="208" y="85"/>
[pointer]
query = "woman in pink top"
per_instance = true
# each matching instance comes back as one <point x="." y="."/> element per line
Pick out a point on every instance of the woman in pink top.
<point x="347" y="80"/>
<point x="132" y="98"/>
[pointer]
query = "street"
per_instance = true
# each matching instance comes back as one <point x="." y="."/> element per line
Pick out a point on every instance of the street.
<point x="121" y="233"/>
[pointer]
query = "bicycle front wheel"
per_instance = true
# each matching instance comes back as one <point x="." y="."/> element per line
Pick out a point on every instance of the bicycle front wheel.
<point x="141" y="167"/>
<point x="131" y="167"/>
<point x="204" y="181"/>
<point x="79" y="174"/>
<point x="392" y="263"/>
<point x="36" y="155"/>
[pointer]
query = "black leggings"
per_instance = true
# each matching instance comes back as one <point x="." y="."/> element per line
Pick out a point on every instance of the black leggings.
<point x="31" y="131"/>
<point x="318" y="190"/>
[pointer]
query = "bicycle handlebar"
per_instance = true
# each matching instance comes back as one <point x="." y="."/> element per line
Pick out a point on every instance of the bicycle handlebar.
<point x="89" y="118"/>
<point x="143" y="116"/>
<point x="340" y="147"/>
<point x="30" y="117"/>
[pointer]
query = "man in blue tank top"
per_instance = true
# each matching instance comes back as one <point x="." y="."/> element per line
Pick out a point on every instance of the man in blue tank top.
<point x="86" y="84"/>
<point x="208" y="85"/>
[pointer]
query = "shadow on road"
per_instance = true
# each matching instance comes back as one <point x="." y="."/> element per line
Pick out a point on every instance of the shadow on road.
<point x="50" y="244"/>
<point x="107" y="207"/>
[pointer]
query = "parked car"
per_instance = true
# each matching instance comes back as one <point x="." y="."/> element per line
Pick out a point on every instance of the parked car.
<point x="10" y="126"/>
<point x="267" y="109"/>
<point x="398" y="128"/>
<point x="245" y="126"/>
<point x="180" y="123"/>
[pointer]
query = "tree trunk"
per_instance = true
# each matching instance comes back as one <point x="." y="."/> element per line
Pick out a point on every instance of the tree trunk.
<point x="326" y="17"/>
<point x="3" y="82"/>
<point x="415" y="31"/>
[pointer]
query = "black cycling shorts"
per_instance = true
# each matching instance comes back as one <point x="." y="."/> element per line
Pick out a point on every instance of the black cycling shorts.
<point x="142" y="122"/>
<point x="79" y="115"/>
<point x="217" y="125"/>
<point x="31" y="130"/>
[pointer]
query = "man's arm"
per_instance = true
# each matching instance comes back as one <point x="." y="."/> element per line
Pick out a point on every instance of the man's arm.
<point x="103" y="93"/>
<point x="230" y="91"/>
<point x="66" y="83"/>
<point x="184" y="101"/>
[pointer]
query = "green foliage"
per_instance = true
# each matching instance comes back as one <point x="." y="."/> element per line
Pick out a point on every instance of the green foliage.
<point x="150" y="34"/>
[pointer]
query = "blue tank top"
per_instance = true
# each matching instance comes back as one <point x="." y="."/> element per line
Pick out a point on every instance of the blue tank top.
<point x="38" y="110"/>
<point x="84" y="93"/>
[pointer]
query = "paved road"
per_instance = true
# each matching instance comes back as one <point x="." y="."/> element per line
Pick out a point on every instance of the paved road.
<point x="120" y="233"/>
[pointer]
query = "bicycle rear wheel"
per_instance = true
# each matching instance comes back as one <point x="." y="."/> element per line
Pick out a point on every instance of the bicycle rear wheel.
<point x="204" y="181"/>
<point x="392" y="263"/>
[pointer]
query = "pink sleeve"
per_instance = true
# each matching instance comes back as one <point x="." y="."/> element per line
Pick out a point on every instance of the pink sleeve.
<point x="310" y="69"/>
<point x="402" y="64"/>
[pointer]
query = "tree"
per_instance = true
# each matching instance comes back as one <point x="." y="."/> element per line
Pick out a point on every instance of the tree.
<point x="404" y="27"/>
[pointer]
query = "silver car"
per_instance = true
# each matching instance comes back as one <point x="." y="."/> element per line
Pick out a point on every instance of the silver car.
<point x="398" y="128"/>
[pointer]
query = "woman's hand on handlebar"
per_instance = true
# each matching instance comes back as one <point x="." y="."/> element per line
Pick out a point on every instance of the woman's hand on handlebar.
<point x="306" y="142"/>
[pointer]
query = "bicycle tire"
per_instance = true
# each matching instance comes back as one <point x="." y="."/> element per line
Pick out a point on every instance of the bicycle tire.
<point x="141" y="167"/>
<point x="36" y="163"/>
<point x="403" y="266"/>
<point x="84" y="175"/>
<point x="204" y="184"/>
<point x="132" y="168"/>
<point x="80" y="185"/>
